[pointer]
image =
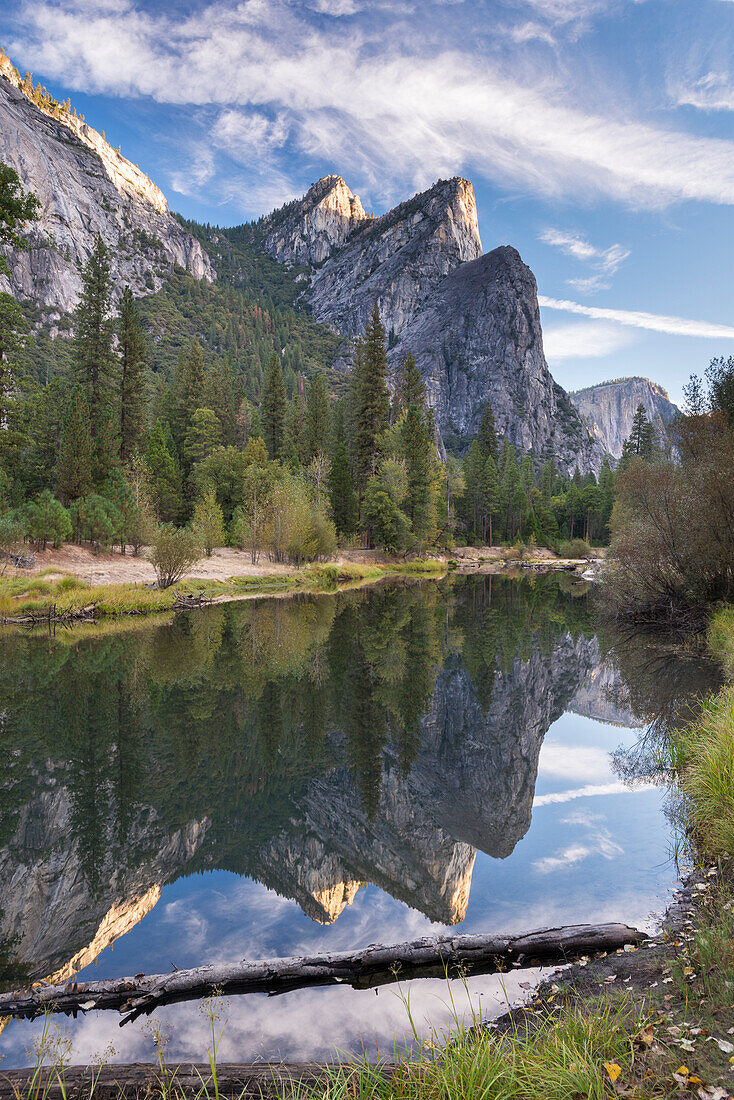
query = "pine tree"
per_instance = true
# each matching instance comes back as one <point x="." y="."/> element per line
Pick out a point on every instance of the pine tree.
<point x="204" y="433"/>
<point x="317" y="417"/>
<point x="410" y="389"/>
<point x="132" y="353"/>
<point x="93" y="332"/>
<point x="487" y="434"/>
<point x="294" y="450"/>
<point x="372" y="397"/>
<point x="490" y="495"/>
<point x="341" y="492"/>
<point x="165" y="471"/>
<point x="417" y="450"/>
<point x="76" y="453"/>
<point x="639" y="426"/>
<point x="189" y="391"/>
<point x="274" y="408"/>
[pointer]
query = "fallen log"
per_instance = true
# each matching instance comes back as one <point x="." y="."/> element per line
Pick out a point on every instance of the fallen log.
<point x="374" y="965"/>
<point x="246" y="1081"/>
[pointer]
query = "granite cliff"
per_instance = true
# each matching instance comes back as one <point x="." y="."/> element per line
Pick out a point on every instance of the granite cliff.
<point x="471" y="319"/>
<point x="608" y="409"/>
<point x="84" y="187"/>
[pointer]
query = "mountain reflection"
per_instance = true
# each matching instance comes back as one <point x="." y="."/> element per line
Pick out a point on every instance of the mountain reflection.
<point x="314" y="743"/>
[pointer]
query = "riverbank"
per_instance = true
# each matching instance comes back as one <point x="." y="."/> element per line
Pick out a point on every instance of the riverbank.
<point x="71" y="583"/>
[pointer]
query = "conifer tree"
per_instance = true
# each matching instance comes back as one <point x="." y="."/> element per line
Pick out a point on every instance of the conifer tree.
<point x="93" y="332"/>
<point x="274" y="408"/>
<point x="417" y="450"/>
<point x="165" y="472"/>
<point x="341" y="492"/>
<point x="410" y="389"/>
<point x="132" y="353"/>
<point x="74" y="469"/>
<point x="487" y="434"/>
<point x="317" y="417"/>
<point x="373" y="399"/>
<point x="189" y="390"/>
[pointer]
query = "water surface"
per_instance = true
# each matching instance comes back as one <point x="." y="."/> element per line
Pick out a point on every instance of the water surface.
<point x="288" y="776"/>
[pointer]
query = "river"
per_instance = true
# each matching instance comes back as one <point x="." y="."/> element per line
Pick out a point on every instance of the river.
<point x="285" y="776"/>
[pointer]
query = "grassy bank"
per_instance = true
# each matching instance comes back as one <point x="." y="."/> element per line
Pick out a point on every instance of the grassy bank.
<point x="21" y="596"/>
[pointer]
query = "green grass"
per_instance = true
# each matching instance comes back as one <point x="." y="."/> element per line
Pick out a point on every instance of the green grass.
<point x="561" y="1057"/>
<point x="721" y="638"/>
<point x="21" y="596"/>
<point x="702" y="755"/>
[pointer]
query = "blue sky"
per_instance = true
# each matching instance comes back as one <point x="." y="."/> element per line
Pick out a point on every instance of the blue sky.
<point x="597" y="133"/>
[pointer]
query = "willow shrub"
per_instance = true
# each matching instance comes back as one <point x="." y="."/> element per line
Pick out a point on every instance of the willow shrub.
<point x="672" y="546"/>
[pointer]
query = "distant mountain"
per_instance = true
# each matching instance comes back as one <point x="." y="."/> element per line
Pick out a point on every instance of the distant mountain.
<point x="470" y="319"/>
<point x="84" y="187"/>
<point x="608" y="409"/>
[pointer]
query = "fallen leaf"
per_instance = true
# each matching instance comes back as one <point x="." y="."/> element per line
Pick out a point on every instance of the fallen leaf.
<point x="723" y="1044"/>
<point x="613" y="1070"/>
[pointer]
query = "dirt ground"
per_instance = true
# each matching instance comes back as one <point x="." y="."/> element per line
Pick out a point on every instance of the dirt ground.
<point x="125" y="569"/>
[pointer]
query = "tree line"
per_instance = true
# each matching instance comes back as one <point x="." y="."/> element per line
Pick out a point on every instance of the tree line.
<point x="111" y="451"/>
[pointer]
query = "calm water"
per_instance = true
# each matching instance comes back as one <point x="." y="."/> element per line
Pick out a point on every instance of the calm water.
<point x="285" y="776"/>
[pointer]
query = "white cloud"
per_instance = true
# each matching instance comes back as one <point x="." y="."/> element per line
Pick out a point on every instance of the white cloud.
<point x="586" y="339"/>
<point x="711" y="92"/>
<point x="605" y="261"/>
<point x="600" y="843"/>
<point x="579" y="762"/>
<point x="394" y="111"/>
<point x="675" y="326"/>
<point x="591" y="790"/>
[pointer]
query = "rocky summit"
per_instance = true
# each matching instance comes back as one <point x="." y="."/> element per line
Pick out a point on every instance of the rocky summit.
<point x="471" y="319"/>
<point x="84" y="187"/>
<point x="609" y="408"/>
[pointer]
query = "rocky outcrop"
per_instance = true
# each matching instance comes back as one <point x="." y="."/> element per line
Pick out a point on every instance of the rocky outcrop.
<point x="609" y="408"/>
<point x="84" y="187"/>
<point x="479" y="339"/>
<point x="53" y="919"/>
<point x="470" y="319"/>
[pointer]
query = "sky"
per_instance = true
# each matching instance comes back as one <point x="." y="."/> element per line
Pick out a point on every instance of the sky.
<point x="597" y="133"/>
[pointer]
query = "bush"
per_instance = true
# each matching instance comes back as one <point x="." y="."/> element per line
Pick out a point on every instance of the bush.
<point x="298" y="528"/>
<point x="174" y="550"/>
<point x="574" y="548"/>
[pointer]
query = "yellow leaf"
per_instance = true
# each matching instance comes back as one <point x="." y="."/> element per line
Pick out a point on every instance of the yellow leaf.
<point x="613" y="1070"/>
<point x="695" y="1081"/>
<point x="683" y="1071"/>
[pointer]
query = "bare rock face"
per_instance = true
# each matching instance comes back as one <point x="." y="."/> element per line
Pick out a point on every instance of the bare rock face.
<point x="479" y="339"/>
<point x="470" y="319"/>
<point x="609" y="408"/>
<point x="54" y="920"/>
<point x="307" y="231"/>
<point x="84" y="187"/>
<point x="396" y="260"/>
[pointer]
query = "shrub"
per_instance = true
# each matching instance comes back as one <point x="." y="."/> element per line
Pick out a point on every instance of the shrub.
<point x="70" y="584"/>
<point x="574" y="548"/>
<point x="174" y="550"/>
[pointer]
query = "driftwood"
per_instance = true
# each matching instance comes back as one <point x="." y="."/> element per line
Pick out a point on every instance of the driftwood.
<point x="373" y="965"/>
<point x="249" y="1081"/>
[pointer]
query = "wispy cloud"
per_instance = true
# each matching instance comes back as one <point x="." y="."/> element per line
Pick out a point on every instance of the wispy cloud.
<point x="605" y="261"/>
<point x="584" y="339"/>
<point x="675" y="326"/>
<point x="591" y="790"/>
<point x="392" y="110"/>
<point x="599" y="843"/>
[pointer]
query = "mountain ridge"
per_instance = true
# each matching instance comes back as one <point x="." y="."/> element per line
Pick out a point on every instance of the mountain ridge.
<point x="84" y="187"/>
